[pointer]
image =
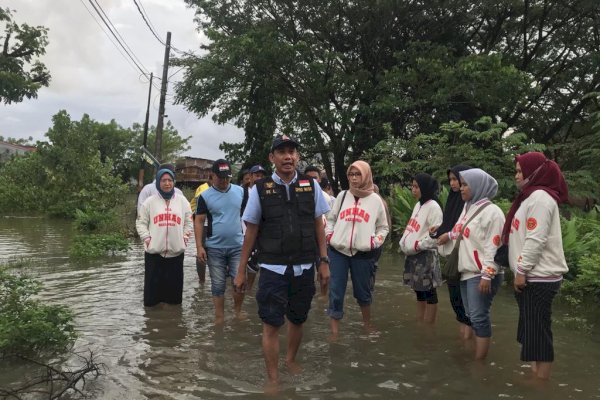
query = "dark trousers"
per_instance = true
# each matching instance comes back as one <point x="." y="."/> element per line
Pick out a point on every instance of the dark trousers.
<point x="456" y="302"/>
<point x="163" y="279"/>
<point x="534" y="331"/>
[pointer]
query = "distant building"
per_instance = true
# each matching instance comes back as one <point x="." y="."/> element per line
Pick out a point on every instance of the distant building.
<point x="190" y="171"/>
<point x="9" y="150"/>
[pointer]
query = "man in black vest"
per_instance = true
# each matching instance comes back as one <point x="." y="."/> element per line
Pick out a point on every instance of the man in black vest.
<point x="284" y="217"/>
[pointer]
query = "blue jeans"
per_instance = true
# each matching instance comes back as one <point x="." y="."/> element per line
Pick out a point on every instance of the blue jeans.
<point x="222" y="263"/>
<point x="477" y="305"/>
<point x="362" y="272"/>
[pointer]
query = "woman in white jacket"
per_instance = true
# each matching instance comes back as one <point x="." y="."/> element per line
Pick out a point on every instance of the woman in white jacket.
<point x="164" y="225"/>
<point x="422" y="264"/>
<point x="535" y="254"/>
<point x="356" y="228"/>
<point x="481" y="223"/>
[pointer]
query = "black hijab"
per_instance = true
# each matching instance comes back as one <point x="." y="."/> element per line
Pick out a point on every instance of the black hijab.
<point x="454" y="204"/>
<point x="429" y="187"/>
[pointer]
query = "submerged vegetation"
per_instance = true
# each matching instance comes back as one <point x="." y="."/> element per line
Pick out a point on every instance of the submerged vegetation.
<point x="28" y="326"/>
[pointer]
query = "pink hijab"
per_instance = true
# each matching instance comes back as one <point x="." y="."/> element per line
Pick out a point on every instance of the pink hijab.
<point x="366" y="186"/>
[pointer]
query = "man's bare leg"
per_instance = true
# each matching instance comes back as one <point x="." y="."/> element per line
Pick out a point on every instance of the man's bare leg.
<point x="219" y="303"/>
<point x="294" y="340"/>
<point x="270" y="345"/>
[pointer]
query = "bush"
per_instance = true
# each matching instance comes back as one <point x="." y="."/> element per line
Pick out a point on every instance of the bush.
<point x="26" y="325"/>
<point x="94" y="220"/>
<point x="98" y="245"/>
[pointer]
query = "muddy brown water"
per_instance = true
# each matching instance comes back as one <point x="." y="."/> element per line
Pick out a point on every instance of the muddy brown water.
<point x="177" y="352"/>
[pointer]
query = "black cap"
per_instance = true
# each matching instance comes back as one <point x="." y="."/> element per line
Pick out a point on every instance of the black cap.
<point x="282" y="140"/>
<point x="222" y="168"/>
<point x="256" y="169"/>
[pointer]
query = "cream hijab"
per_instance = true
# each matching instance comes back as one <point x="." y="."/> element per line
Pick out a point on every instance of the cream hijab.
<point x="366" y="186"/>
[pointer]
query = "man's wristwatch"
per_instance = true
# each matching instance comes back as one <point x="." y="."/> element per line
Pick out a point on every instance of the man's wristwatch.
<point x="324" y="259"/>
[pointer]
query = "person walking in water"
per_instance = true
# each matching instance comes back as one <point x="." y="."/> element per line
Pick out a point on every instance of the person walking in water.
<point x="284" y="215"/>
<point x="478" y="229"/>
<point x="422" y="266"/>
<point x="164" y="224"/>
<point x="220" y="205"/>
<point x="452" y="211"/>
<point x="355" y="231"/>
<point x="536" y="255"/>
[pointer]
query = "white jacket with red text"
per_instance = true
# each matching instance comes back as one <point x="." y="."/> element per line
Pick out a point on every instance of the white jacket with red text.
<point x="535" y="246"/>
<point x="359" y="225"/>
<point x="480" y="241"/>
<point x="423" y="217"/>
<point x="165" y="229"/>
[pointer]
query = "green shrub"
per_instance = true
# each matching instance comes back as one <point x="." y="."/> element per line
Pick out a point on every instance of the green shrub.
<point x="401" y="203"/>
<point x="98" y="245"/>
<point x="27" y="326"/>
<point x="94" y="220"/>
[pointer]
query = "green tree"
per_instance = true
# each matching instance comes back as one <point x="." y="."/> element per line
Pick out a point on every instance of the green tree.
<point x="21" y="141"/>
<point x="336" y="73"/>
<point x="173" y="145"/>
<point x="484" y="144"/>
<point x="22" y="74"/>
<point x="76" y="176"/>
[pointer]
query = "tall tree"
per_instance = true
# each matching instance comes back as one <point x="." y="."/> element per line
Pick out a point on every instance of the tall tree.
<point x="22" y="74"/>
<point x="339" y="71"/>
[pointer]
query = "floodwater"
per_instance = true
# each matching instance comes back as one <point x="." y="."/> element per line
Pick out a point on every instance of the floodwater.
<point x="177" y="352"/>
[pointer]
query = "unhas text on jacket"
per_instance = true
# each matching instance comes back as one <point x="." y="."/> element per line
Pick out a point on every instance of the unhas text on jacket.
<point x="355" y="214"/>
<point x="167" y="219"/>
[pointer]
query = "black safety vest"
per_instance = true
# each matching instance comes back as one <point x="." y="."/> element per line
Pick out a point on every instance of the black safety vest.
<point x="286" y="232"/>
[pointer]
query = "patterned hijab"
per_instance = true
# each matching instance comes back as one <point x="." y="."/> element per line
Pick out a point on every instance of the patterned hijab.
<point x="366" y="186"/>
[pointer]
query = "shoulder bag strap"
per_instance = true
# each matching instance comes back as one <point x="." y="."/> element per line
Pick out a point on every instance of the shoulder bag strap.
<point x="460" y="235"/>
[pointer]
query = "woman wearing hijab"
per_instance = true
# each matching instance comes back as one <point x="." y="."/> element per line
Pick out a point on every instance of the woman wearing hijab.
<point x="422" y="264"/>
<point x="481" y="224"/>
<point x="164" y="225"/>
<point x="356" y="228"/>
<point x="452" y="211"/>
<point x="535" y="252"/>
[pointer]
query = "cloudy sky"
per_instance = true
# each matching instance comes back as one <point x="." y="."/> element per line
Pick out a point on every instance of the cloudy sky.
<point x="89" y="74"/>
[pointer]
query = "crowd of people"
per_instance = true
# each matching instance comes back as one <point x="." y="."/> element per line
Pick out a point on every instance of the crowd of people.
<point x="289" y="230"/>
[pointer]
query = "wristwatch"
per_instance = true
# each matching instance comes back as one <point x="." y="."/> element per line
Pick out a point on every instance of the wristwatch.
<point x="324" y="259"/>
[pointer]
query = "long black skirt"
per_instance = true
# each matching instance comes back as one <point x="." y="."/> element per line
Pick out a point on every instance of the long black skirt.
<point x="534" y="330"/>
<point x="163" y="279"/>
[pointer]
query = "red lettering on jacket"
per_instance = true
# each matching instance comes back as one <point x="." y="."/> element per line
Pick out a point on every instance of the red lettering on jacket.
<point x="167" y="218"/>
<point x="515" y="223"/>
<point x="356" y="214"/>
<point x="414" y="224"/>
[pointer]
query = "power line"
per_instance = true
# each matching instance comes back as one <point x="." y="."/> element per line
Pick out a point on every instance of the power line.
<point x="108" y="25"/>
<point x="111" y="39"/>
<point x="122" y="39"/>
<point x="150" y="26"/>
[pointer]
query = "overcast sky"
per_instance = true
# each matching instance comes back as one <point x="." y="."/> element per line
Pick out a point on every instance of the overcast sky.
<point x="89" y="75"/>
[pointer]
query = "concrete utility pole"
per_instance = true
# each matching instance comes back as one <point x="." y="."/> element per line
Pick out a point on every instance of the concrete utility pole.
<point x="141" y="173"/>
<point x="163" y="95"/>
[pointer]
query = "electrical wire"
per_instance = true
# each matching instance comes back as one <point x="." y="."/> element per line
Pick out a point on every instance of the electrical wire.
<point x="111" y="39"/>
<point x="150" y="26"/>
<point x="102" y="16"/>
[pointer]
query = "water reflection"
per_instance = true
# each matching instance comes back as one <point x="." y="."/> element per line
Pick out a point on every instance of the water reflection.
<point x="177" y="353"/>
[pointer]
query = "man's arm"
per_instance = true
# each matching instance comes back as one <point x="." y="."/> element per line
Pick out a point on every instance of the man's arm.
<point x="198" y="234"/>
<point x="247" y="247"/>
<point x="320" y="235"/>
